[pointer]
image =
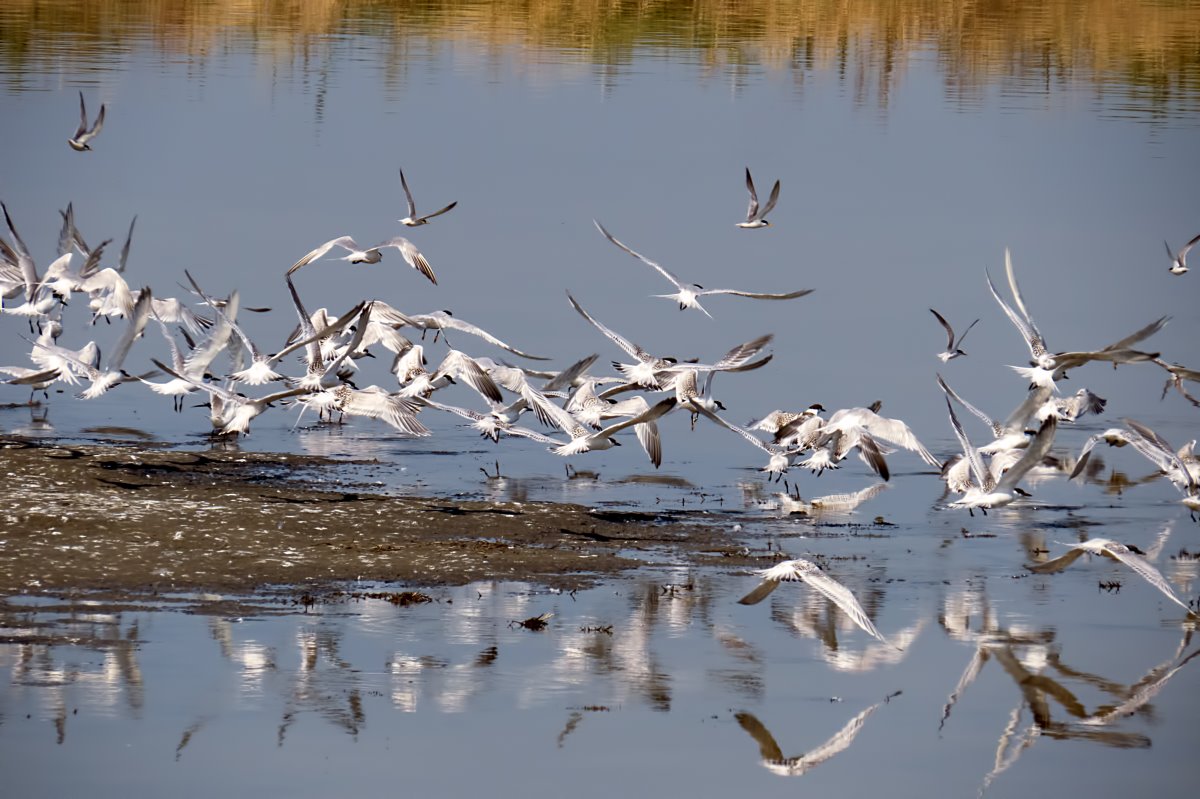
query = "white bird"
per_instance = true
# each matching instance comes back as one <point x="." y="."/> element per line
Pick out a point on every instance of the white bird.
<point x="1130" y="556"/>
<point x="953" y="346"/>
<point x="756" y="217"/>
<point x="831" y="503"/>
<point x="986" y="491"/>
<point x="412" y="220"/>
<point x="1023" y="322"/>
<point x="688" y="295"/>
<point x="36" y="379"/>
<point x="372" y="402"/>
<point x="233" y="412"/>
<point x="779" y="456"/>
<point x="112" y="374"/>
<point x="489" y="425"/>
<point x="79" y="142"/>
<point x="440" y="322"/>
<point x="805" y="571"/>
<point x="1179" y="259"/>
<point x="1180" y="466"/>
<point x="370" y="255"/>
<point x="584" y="439"/>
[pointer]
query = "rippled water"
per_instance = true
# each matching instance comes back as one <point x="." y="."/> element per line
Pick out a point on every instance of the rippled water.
<point x="914" y="141"/>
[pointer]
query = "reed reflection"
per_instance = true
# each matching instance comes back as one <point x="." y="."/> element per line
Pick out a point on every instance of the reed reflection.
<point x="1141" y="53"/>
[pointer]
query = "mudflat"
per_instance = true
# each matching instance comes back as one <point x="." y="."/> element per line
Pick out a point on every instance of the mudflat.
<point x="141" y="518"/>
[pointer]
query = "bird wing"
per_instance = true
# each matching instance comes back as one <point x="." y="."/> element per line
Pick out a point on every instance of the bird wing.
<point x="1016" y="290"/>
<point x="751" y="212"/>
<point x="137" y="323"/>
<point x="982" y="475"/>
<point x="412" y="256"/>
<point x="1025" y="330"/>
<point x="746" y="434"/>
<point x="1183" y="253"/>
<point x="412" y="206"/>
<point x="662" y="271"/>
<point x="344" y="242"/>
<point x="841" y="596"/>
<point x="1037" y="450"/>
<point x="439" y="212"/>
<point x="82" y="129"/>
<point x="755" y="295"/>
<point x="95" y="131"/>
<point x="1143" y="569"/>
<point x="774" y="198"/>
<point x="376" y="403"/>
<point x="24" y="259"/>
<point x="1057" y="564"/>
<point x="949" y="330"/>
<point x="625" y="344"/>
<point x="125" y="250"/>
<point x="978" y="413"/>
<point x="454" y="323"/>
<point x="462" y="366"/>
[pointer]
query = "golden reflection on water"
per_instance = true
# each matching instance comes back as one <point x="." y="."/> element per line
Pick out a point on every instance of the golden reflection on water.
<point x="1145" y="49"/>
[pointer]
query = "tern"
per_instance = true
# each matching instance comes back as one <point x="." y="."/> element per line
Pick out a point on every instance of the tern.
<point x="986" y="491"/>
<point x="1179" y="259"/>
<point x="585" y="440"/>
<point x="953" y="346"/>
<point x="755" y="216"/>
<point x="370" y="255"/>
<point x="779" y="456"/>
<point x="412" y="220"/>
<point x="1180" y="466"/>
<point x="1130" y="556"/>
<point x="688" y="295"/>
<point x="440" y="322"/>
<point x="79" y="142"/>
<point x="805" y="571"/>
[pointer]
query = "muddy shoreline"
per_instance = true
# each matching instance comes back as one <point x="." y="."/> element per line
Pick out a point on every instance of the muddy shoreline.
<point x="139" y="520"/>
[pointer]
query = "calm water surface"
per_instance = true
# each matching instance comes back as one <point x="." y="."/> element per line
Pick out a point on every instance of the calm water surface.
<point x="914" y="141"/>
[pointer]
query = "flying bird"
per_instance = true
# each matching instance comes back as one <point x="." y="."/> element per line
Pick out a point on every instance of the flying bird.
<point x="370" y="255"/>
<point x="1130" y="556"/>
<point x="1179" y="259"/>
<point x="755" y="216"/>
<point x="688" y="295"/>
<point x="79" y="142"/>
<point x="805" y="571"/>
<point x="953" y="346"/>
<point x="412" y="220"/>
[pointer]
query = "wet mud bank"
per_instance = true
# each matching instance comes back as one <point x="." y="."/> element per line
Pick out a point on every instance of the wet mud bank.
<point x="140" y="520"/>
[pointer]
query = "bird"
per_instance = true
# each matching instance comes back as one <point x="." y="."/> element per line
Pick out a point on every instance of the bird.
<point x="986" y="491"/>
<point x="779" y="456"/>
<point x="755" y="216"/>
<point x="440" y="322"/>
<point x="412" y="220"/>
<point x="806" y="571"/>
<point x="688" y="295"/>
<point x="1179" y="259"/>
<point x="953" y="347"/>
<point x="370" y="255"/>
<point x="1128" y="555"/>
<point x="585" y="440"/>
<point x="79" y="142"/>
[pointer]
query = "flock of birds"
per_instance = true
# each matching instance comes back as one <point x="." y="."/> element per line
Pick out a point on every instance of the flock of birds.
<point x="578" y="411"/>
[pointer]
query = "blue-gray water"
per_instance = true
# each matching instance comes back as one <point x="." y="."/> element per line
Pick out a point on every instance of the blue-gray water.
<point x="238" y="159"/>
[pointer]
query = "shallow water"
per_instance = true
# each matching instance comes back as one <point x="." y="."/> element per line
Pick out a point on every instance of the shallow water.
<point x="914" y="141"/>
